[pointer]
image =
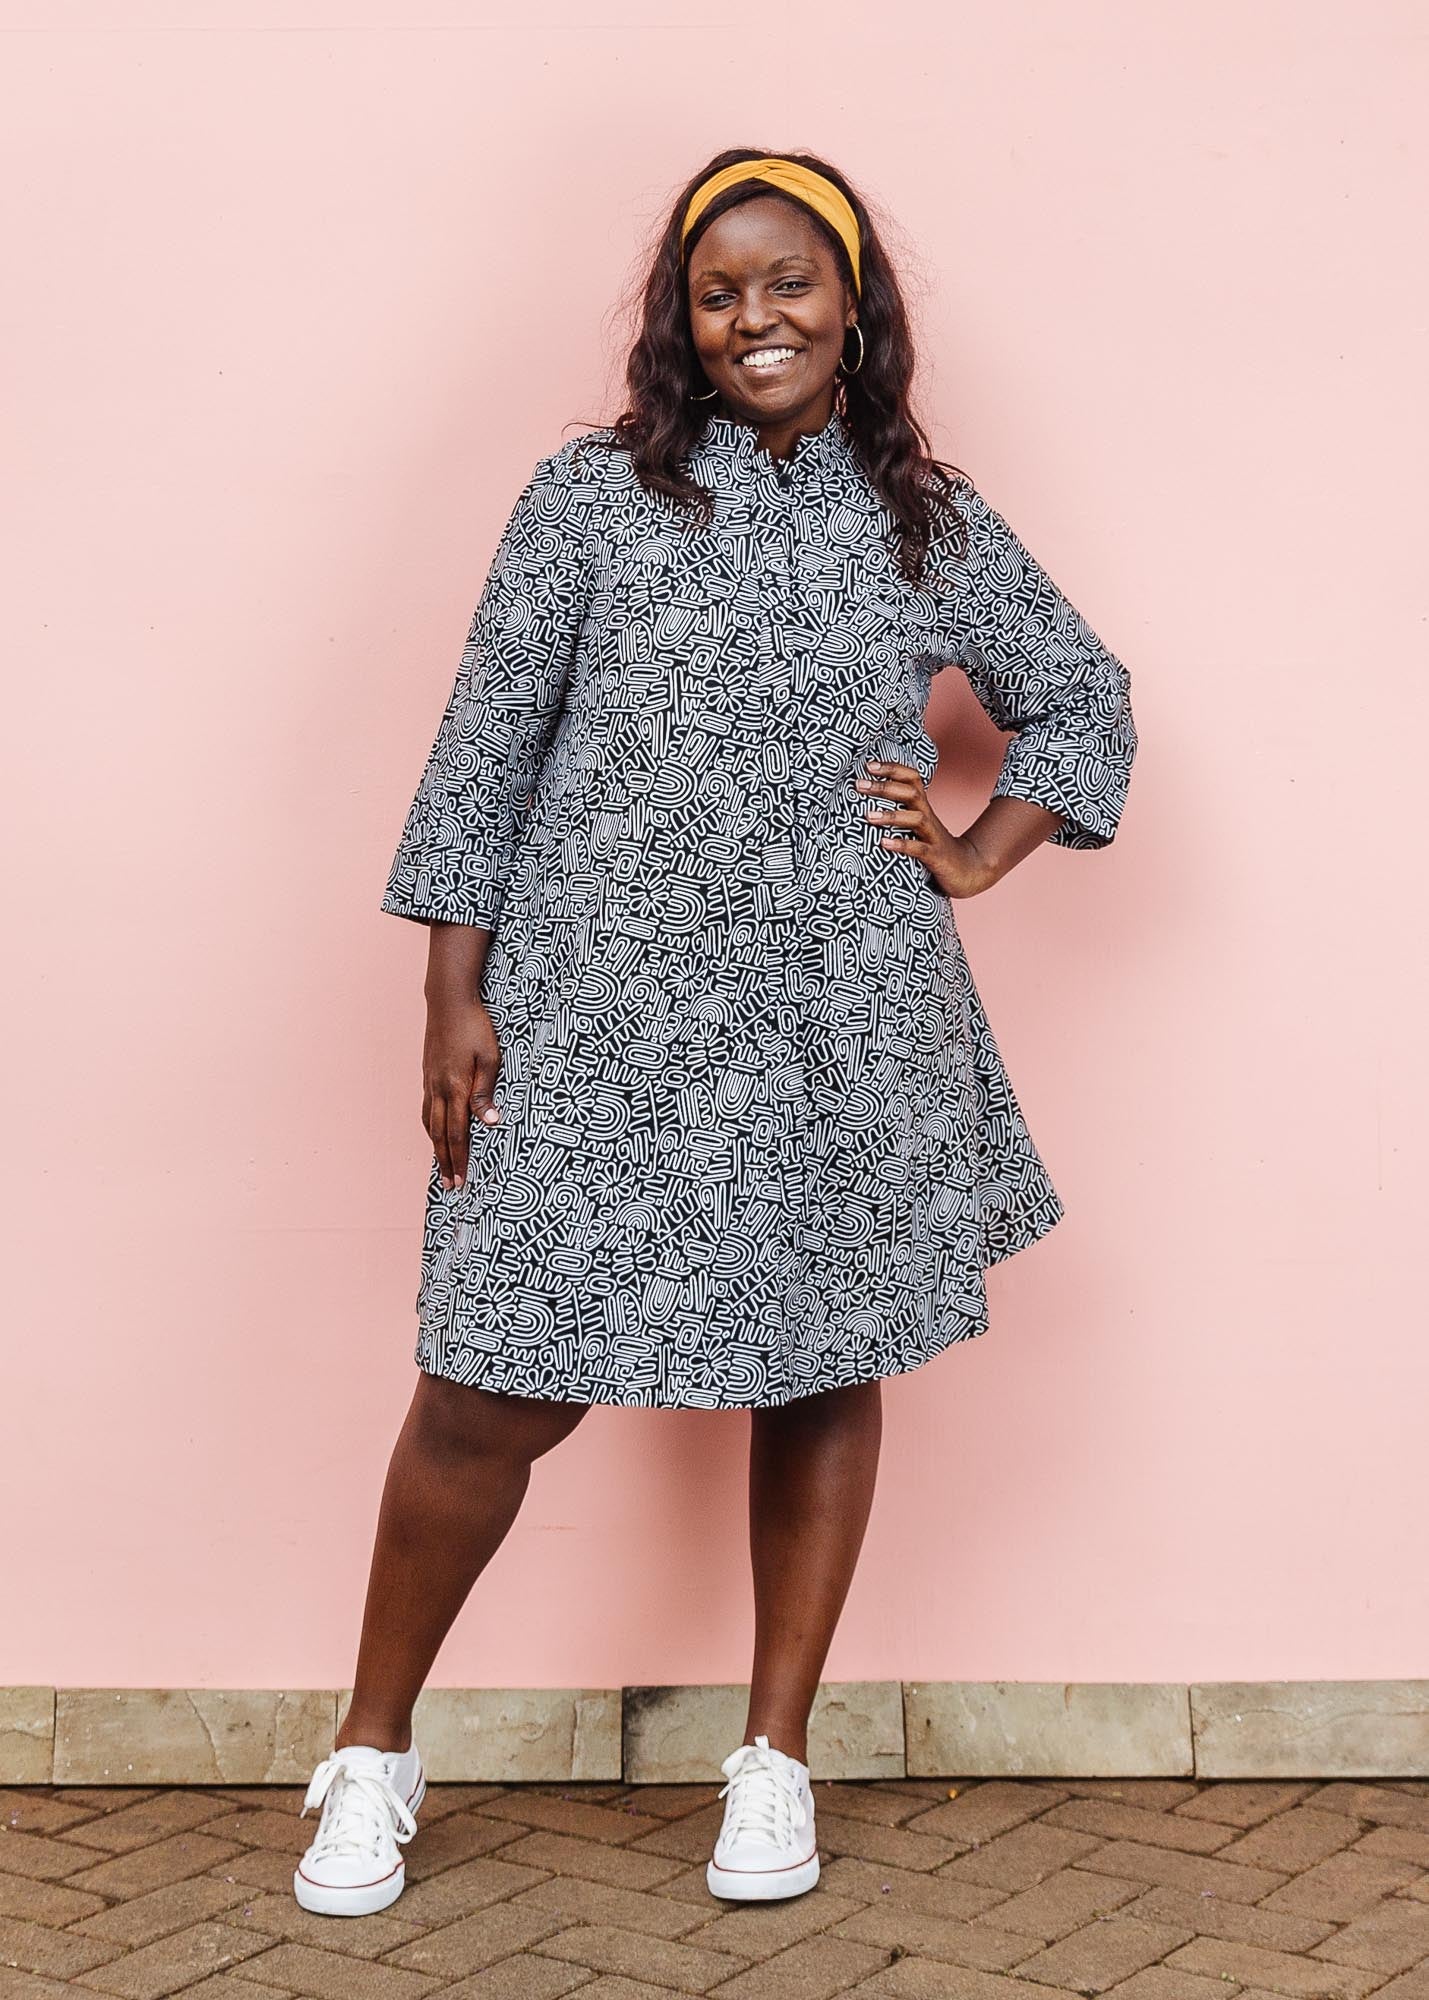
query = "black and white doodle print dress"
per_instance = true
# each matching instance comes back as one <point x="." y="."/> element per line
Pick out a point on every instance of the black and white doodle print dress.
<point x="756" y="1139"/>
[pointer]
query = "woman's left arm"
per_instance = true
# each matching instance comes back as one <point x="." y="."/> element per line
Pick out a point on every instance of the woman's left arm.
<point x="1036" y="667"/>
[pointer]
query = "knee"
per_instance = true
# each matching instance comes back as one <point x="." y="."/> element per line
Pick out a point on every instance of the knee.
<point x="454" y="1420"/>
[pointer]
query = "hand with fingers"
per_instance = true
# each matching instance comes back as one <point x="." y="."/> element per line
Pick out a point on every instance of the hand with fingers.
<point x="901" y="801"/>
<point x="460" y="1063"/>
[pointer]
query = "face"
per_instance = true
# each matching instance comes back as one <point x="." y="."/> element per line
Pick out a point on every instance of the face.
<point x="762" y="276"/>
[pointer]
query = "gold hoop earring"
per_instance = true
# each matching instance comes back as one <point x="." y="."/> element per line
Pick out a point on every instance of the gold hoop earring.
<point x="854" y="328"/>
<point x="704" y="399"/>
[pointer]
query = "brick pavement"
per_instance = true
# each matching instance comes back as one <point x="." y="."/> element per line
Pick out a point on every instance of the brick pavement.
<point x="931" y="1890"/>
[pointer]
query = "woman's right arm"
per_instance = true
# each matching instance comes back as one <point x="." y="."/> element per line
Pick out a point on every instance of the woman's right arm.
<point x="461" y="1055"/>
<point x="461" y="837"/>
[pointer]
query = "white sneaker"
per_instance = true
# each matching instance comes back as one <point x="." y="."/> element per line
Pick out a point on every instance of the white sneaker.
<point x="767" y="1846"/>
<point x="369" y="1800"/>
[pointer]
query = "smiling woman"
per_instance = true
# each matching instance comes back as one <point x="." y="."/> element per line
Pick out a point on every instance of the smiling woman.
<point x="717" y="1118"/>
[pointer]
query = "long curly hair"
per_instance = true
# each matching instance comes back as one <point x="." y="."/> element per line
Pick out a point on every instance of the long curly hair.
<point x="661" y="423"/>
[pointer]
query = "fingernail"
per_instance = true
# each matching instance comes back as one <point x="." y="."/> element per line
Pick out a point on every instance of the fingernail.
<point x="490" y="1114"/>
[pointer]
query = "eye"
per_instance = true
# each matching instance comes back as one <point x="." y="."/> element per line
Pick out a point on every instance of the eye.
<point x="712" y="301"/>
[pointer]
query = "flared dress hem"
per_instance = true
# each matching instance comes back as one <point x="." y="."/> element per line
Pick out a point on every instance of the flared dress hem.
<point x="481" y="1368"/>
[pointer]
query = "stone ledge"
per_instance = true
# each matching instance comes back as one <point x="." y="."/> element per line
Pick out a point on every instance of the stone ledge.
<point x="678" y="1735"/>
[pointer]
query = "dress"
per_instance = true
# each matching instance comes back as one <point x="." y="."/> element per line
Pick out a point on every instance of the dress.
<point x="756" y="1139"/>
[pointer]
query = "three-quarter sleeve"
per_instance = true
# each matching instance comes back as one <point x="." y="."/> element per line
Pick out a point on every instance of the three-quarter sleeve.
<point x="1037" y="667"/>
<point x="460" y="840"/>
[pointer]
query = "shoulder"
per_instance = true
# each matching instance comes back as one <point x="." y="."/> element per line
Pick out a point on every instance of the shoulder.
<point x="969" y="532"/>
<point x="589" y="461"/>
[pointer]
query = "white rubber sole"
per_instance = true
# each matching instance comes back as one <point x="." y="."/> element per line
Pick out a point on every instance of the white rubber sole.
<point x="357" y="1899"/>
<point x="762" y="1885"/>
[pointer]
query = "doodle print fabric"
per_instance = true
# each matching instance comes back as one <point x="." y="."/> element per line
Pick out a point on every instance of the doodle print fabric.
<point x="756" y="1138"/>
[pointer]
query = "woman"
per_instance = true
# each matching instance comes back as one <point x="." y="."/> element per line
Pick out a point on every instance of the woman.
<point x="717" y="1118"/>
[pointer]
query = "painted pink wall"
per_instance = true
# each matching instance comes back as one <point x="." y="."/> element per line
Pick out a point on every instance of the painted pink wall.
<point x="296" y="297"/>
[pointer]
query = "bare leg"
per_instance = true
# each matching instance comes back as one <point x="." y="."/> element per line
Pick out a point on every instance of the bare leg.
<point x="457" y="1477"/>
<point x="813" y="1464"/>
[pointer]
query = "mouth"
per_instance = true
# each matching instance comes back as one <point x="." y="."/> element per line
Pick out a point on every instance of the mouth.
<point x="769" y="361"/>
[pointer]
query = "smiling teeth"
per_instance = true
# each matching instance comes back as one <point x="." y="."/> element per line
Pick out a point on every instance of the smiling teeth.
<point x="766" y="357"/>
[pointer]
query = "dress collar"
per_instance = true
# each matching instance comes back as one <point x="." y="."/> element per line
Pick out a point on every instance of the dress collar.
<point x="829" y="450"/>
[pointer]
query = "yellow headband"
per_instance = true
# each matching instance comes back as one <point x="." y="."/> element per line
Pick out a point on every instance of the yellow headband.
<point x="813" y="189"/>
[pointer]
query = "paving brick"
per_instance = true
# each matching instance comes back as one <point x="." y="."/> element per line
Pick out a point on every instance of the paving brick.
<point x="1114" y="1821"/>
<point x="1062" y="1903"/>
<point x="542" y="1979"/>
<point x="172" y="1908"/>
<point x="1250" y="1965"/>
<point x="1396" y="1843"/>
<point x="1293" y="1840"/>
<point x="287" y="1833"/>
<point x="691" y="1885"/>
<point x="298" y="1968"/>
<point x="691" y="1838"/>
<point x="1214" y="1916"/>
<point x="815" y="1969"/>
<point x="57" y="1954"/>
<point x="1377" y="1803"/>
<point x="152" y="1867"/>
<point x="1243" y="1802"/>
<point x="232" y="1986"/>
<point x="1154" y="1794"/>
<point x="892" y="1923"/>
<point x="562" y="1854"/>
<point x="35" y="1811"/>
<point x="756" y="1930"/>
<point x="441" y="1800"/>
<point x="931" y="1979"/>
<point x="1136" y="1862"/>
<point x="107" y="1798"/>
<point x="669" y="1801"/>
<point x="457" y="1892"/>
<point x="1342" y="1888"/>
<point x="893" y="1844"/>
<point x="45" y="1902"/>
<point x="982" y="1812"/>
<point x="465" y="1947"/>
<point x="686" y="1967"/>
<point x="1409" y="1986"/>
<point x="257" y="1868"/>
<point x="576" y="1902"/>
<point x="612" y="1824"/>
<point x="16" y="1985"/>
<point x="461" y="1837"/>
<point x="150" y="1820"/>
<point x="1102" y="1953"/>
<point x="868" y="1881"/>
<point x="1026" y="1855"/>
<point x="36" y="1855"/>
<point x="281" y="1916"/>
<point x="1160" y="1982"/>
<point x="877" y="1804"/>
<point x="174" y="1962"/>
<point x="1387" y="1940"/>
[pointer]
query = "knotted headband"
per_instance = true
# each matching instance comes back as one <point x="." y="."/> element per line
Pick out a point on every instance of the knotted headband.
<point x="814" y="190"/>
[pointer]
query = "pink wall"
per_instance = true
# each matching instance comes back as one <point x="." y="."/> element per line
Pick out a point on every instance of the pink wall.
<point x="296" y="297"/>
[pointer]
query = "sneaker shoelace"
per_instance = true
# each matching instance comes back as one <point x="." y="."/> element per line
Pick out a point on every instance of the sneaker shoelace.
<point x="359" y="1807"/>
<point x="764" y="1798"/>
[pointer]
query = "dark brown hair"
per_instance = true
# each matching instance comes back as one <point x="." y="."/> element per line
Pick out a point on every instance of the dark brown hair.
<point x="662" y="371"/>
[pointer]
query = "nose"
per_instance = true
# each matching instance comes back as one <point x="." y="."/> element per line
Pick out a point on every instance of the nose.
<point x="752" y="321"/>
